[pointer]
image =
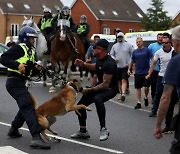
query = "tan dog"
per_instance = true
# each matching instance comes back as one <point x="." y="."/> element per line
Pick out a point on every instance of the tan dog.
<point x="59" y="104"/>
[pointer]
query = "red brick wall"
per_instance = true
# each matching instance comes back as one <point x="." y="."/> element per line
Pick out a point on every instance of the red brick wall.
<point x="96" y="26"/>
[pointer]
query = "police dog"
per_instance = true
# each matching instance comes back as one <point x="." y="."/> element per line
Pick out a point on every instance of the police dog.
<point x="59" y="104"/>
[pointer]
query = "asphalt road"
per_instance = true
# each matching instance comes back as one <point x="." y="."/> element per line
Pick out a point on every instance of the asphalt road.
<point x="130" y="129"/>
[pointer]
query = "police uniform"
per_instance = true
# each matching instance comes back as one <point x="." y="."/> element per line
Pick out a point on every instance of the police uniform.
<point x="83" y="31"/>
<point x="15" y="84"/>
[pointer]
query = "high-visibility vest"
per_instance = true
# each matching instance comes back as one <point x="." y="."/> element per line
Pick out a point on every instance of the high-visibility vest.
<point x="81" y="28"/>
<point x="24" y="59"/>
<point x="46" y="23"/>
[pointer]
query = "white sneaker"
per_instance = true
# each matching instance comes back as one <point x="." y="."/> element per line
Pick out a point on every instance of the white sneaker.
<point x="104" y="134"/>
<point x="119" y="98"/>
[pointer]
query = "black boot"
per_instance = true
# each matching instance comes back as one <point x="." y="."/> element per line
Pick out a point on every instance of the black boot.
<point x="38" y="142"/>
<point x="14" y="133"/>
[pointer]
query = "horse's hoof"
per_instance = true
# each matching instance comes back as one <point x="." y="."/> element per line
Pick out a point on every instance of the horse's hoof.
<point x="52" y="90"/>
<point x="44" y="84"/>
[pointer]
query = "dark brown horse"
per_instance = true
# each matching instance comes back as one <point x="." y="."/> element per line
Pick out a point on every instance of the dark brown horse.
<point x="62" y="48"/>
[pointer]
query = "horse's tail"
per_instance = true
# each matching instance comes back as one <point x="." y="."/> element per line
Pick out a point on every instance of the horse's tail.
<point x="35" y="104"/>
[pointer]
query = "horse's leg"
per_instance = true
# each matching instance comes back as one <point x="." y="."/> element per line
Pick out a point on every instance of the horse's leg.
<point x="52" y="89"/>
<point x="69" y="70"/>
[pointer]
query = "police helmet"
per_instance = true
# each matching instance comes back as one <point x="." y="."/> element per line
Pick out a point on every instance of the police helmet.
<point x="47" y="10"/>
<point x="26" y="32"/>
<point x="66" y="10"/>
<point x="83" y="19"/>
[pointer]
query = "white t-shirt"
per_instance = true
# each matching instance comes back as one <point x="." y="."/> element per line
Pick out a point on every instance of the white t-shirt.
<point x="164" y="58"/>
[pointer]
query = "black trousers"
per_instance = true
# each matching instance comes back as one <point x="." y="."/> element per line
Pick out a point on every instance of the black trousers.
<point x="17" y="89"/>
<point x="99" y="98"/>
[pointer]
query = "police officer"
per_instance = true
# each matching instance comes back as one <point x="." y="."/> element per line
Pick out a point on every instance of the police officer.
<point x="20" y="61"/>
<point x="45" y="24"/>
<point x="65" y="14"/>
<point x="83" y="30"/>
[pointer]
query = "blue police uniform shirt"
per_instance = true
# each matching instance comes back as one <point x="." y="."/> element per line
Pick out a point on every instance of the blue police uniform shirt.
<point x="153" y="48"/>
<point x="141" y="58"/>
<point x="172" y="74"/>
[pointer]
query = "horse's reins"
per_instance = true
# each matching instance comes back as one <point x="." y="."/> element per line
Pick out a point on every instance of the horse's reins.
<point x="72" y="43"/>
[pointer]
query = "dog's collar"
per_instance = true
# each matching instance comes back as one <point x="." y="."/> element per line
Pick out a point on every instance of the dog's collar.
<point x="72" y="85"/>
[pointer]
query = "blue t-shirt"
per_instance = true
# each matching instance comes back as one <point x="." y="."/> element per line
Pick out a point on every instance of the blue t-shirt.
<point x="141" y="58"/>
<point x="153" y="47"/>
<point x="90" y="53"/>
<point x="172" y="74"/>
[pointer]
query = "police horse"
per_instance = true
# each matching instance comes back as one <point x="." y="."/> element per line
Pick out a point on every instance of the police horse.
<point x="41" y="46"/>
<point x="62" y="47"/>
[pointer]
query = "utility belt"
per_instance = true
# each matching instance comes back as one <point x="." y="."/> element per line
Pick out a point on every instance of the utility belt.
<point x="14" y="75"/>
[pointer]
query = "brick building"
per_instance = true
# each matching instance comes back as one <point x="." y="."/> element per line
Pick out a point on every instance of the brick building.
<point x="105" y="15"/>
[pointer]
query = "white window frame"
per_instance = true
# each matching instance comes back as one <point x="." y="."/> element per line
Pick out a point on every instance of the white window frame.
<point x="131" y="30"/>
<point x="106" y="31"/>
<point x="14" y="29"/>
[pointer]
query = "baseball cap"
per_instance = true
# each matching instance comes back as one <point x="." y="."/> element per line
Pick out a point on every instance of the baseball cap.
<point x="101" y="43"/>
<point x="120" y="34"/>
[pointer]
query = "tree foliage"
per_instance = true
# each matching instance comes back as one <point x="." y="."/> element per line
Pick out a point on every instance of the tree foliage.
<point x="156" y="18"/>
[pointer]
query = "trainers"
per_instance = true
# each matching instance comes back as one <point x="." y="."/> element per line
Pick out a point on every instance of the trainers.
<point x="152" y="114"/>
<point x="104" y="134"/>
<point x="123" y="97"/>
<point x="38" y="142"/>
<point x="138" y="106"/>
<point x="167" y="130"/>
<point x="119" y="97"/>
<point x="14" y="133"/>
<point x="81" y="135"/>
<point x="146" y="102"/>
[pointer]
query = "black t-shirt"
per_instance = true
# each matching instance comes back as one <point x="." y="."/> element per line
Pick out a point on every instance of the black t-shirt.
<point x="107" y="65"/>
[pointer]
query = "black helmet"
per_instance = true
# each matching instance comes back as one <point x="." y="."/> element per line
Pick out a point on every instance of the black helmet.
<point x="66" y="10"/>
<point x="83" y="19"/>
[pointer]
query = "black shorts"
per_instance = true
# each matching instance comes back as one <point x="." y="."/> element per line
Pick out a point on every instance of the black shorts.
<point x="122" y="73"/>
<point x="141" y="81"/>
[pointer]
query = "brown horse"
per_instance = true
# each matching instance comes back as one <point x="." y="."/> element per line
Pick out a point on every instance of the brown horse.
<point x="62" y="48"/>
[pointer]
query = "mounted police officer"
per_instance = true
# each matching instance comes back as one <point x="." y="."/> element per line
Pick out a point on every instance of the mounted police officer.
<point x="46" y="24"/>
<point x="20" y="61"/>
<point x="65" y="14"/>
<point x="82" y="31"/>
